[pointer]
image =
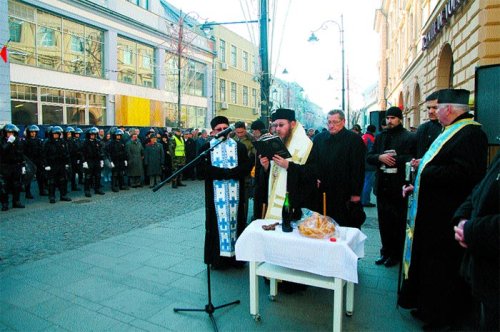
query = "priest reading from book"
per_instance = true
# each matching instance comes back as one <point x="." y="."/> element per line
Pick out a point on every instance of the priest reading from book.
<point x="226" y="167"/>
<point x="282" y="173"/>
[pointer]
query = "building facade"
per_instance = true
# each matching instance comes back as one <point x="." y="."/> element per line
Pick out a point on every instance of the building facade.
<point x="236" y="67"/>
<point x="96" y="62"/>
<point x="427" y="45"/>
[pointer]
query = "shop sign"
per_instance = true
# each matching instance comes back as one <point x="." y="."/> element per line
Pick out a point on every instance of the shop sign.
<point x="442" y="19"/>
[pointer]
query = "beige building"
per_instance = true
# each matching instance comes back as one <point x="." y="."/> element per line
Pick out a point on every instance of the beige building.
<point x="428" y="45"/>
<point x="237" y="88"/>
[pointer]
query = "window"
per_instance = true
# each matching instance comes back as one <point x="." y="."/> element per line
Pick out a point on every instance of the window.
<point x="234" y="54"/>
<point x="46" y="37"/>
<point x="127" y="57"/>
<point x="135" y="63"/>
<point x="76" y="44"/>
<point x="234" y="99"/>
<point x="254" y="97"/>
<point x="245" y="95"/>
<point x="222" y="51"/>
<point x="222" y="90"/>
<point x="15" y="31"/>
<point x="245" y="60"/>
<point x="49" y="41"/>
<point x="141" y="3"/>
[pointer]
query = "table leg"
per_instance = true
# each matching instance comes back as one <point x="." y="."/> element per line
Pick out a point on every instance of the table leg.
<point x="254" y="290"/>
<point x="349" y="298"/>
<point x="273" y="288"/>
<point x="338" y="292"/>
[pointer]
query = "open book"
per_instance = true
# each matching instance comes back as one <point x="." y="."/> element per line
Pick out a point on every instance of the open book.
<point x="271" y="145"/>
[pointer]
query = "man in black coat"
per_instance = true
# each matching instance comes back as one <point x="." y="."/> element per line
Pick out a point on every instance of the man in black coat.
<point x="92" y="162"/>
<point x="338" y="162"/>
<point x="453" y="165"/>
<point x="115" y="150"/>
<point x="478" y="231"/>
<point x="428" y="131"/>
<point x="57" y="163"/>
<point x="392" y="149"/>
<point x="33" y="149"/>
<point x="11" y="166"/>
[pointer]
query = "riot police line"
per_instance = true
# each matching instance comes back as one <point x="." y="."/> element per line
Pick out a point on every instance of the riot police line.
<point x="57" y="157"/>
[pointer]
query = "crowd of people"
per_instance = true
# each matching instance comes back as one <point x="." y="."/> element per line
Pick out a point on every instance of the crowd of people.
<point x="438" y="166"/>
<point x="64" y="159"/>
<point x="331" y="171"/>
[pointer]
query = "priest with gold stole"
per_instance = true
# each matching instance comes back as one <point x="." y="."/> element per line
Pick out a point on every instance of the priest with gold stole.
<point x="279" y="175"/>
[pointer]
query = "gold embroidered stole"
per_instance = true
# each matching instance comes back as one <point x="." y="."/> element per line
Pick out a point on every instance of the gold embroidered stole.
<point x="299" y="147"/>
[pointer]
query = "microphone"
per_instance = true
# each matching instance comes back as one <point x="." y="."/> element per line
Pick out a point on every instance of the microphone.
<point x="225" y="132"/>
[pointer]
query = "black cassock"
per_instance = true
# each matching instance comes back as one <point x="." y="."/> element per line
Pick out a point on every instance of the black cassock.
<point x="338" y="161"/>
<point x="434" y="285"/>
<point x="212" y="249"/>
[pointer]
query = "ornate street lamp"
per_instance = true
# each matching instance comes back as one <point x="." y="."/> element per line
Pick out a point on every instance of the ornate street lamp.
<point x="313" y="38"/>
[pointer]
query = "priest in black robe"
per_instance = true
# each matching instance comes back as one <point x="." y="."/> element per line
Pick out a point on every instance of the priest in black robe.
<point x="279" y="176"/>
<point x="226" y="168"/>
<point x="453" y="165"/>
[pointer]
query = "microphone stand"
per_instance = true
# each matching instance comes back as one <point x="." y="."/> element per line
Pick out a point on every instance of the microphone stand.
<point x="209" y="307"/>
<point x="180" y="170"/>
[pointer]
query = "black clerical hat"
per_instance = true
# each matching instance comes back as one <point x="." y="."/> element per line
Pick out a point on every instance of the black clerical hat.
<point x="453" y="96"/>
<point x="283" y="113"/>
<point x="218" y="120"/>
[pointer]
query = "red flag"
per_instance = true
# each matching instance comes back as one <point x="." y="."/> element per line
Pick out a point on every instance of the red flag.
<point x="3" y="53"/>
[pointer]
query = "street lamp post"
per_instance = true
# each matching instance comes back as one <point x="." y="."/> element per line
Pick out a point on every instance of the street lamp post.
<point x="313" y="38"/>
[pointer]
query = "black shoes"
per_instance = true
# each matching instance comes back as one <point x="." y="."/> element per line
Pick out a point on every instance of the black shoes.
<point x="87" y="194"/>
<point x="99" y="192"/>
<point x="391" y="262"/>
<point x="18" y="205"/>
<point x="382" y="259"/>
<point x="387" y="261"/>
<point x="65" y="199"/>
<point x="52" y="200"/>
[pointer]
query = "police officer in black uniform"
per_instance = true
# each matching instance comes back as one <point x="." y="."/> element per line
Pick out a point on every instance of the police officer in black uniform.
<point x="33" y="149"/>
<point x="74" y="156"/>
<point x="118" y="159"/>
<point x="92" y="162"/>
<point x="12" y="166"/>
<point x="78" y="156"/>
<point x="57" y="164"/>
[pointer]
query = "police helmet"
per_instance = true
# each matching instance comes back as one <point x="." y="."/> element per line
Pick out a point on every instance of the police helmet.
<point x="91" y="131"/>
<point x="33" y="128"/>
<point x="69" y="130"/>
<point x="117" y="132"/>
<point x="56" y="130"/>
<point x="11" y="128"/>
<point x="78" y="131"/>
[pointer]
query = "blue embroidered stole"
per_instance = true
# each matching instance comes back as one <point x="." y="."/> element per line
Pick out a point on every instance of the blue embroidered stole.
<point x="226" y="195"/>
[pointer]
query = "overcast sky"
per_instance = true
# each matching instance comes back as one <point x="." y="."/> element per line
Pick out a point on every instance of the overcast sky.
<point x="308" y="64"/>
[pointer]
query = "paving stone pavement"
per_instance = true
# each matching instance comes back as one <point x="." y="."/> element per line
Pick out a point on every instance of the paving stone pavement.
<point x="122" y="262"/>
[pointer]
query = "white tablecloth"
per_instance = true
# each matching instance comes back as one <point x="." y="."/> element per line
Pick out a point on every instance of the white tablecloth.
<point x="292" y="250"/>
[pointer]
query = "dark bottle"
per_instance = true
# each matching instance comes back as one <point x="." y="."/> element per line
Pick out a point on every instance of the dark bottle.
<point x="287" y="215"/>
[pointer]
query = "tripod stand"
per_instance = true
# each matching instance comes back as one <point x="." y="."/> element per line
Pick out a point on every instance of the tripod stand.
<point x="209" y="307"/>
